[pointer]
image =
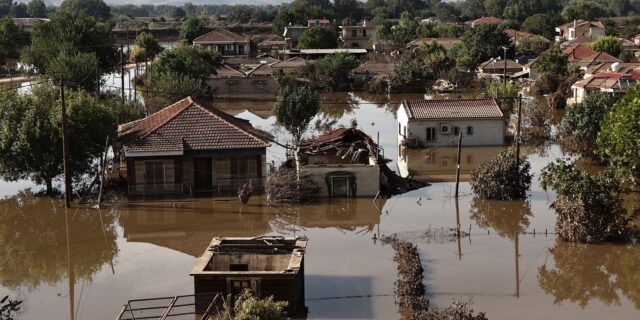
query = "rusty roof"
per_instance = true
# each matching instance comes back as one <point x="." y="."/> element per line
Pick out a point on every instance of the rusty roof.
<point x="190" y="125"/>
<point x="452" y="109"/>
<point x="220" y="35"/>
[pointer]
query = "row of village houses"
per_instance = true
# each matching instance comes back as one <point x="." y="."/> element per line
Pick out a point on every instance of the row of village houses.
<point x="255" y="76"/>
<point x="190" y="146"/>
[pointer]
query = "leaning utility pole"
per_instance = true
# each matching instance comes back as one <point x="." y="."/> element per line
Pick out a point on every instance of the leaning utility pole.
<point x="122" y="71"/>
<point x="65" y="148"/>
<point x="458" y="162"/>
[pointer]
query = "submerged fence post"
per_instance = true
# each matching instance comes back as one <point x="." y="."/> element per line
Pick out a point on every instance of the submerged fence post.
<point x="458" y="162"/>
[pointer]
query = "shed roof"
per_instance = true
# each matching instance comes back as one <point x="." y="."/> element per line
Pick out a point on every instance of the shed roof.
<point x="220" y="35"/>
<point x="190" y="125"/>
<point x="452" y="109"/>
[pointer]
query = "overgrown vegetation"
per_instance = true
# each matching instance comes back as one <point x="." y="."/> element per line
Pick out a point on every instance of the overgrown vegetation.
<point x="501" y="178"/>
<point x="249" y="307"/>
<point x="318" y="38"/>
<point x="580" y="125"/>
<point x="332" y="72"/>
<point x="285" y="186"/>
<point x="589" y="207"/>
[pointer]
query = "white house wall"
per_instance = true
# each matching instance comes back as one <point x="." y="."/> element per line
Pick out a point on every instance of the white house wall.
<point x="367" y="177"/>
<point x="486" y="132"/>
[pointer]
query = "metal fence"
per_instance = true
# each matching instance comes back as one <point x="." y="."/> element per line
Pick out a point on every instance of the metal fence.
<point x="175" y="308"/>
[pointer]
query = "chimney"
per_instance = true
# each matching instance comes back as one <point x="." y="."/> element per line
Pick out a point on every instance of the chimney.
<point x="575" y="23"/>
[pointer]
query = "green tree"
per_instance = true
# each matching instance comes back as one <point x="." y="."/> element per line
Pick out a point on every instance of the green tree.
<point x="11" y="40"/>
<point x="582" y="9"/>
<point x="618" y="140"/>
<point x="191" y="29"/>
<point x="435" y="58"/>
<point x="472" y="9"/>
<point x="485" y="42"/>
<point x="18" y="10"/>
<point x="146" y="47"/>
<point x="318" y="38"/>
<point x="542" y="24"/>
<point x="552" y="61"/>
<point x="165" y="88"/>
<point x="332" y="72"/>
<point x="294" y="110"/>
<point x="588" y="206"/>
<point x="580" y="125"/>
<point x="95" y="8"/>
<point x="193" y="61"/>
<point x="501" y="179"/>
<point x="609" y="44"/>
<point x="72" y="34"/>
<point x="30" y="137"/>
<point x="37" y="9"/>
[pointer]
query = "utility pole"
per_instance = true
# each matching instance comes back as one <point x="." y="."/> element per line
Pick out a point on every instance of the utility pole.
<point x="518" y="132"/>
<point x="504" y="72"/>
<point x="65" y="148"/>
<point x="458" y="162"/>
<point x="122" y="71"/>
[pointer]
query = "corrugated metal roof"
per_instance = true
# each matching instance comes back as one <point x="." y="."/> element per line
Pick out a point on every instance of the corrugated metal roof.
<point x="452" y="109"/>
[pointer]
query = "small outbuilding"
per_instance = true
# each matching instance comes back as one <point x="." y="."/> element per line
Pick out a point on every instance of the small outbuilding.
<point x="269" y="266"/>
<point x="437" y="123"/>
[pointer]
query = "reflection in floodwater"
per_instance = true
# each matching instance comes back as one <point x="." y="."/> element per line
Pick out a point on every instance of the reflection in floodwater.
<point x="508" y="219"/>
<point x="439" y="164"/>
<point x="190" y="227"/>
<point x="585" y="272"/>
<point x="43" y="242"/>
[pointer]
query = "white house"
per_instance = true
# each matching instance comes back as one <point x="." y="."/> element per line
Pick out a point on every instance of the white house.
<point x="431" y="123"/>
<point x="579" y="28"/>
<point x="612" y="82"/>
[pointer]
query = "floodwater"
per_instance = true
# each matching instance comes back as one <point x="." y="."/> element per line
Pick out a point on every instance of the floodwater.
<point x="85" y="263"/>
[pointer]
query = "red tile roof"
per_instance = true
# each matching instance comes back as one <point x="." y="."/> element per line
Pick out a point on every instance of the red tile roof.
<point x="596" y="24"/>
<point x="578" y="52"/>
<point x="487" y="20"/>
<point x="599" y="57"/>
<point x="452" y="109"/>
<point x="190" y="125"/>
<point x="220" y="35"/>
<point x="499" y="64"/>
<point x="607" y="81"/>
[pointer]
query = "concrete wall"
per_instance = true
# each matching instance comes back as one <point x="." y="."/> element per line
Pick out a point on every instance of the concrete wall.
<point x="254" y="262"/>
<point x="367" y="177"/>
<point x="486" y="132"/>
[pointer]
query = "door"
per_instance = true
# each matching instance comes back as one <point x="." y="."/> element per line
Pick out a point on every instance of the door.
<point x="202" y="174"/>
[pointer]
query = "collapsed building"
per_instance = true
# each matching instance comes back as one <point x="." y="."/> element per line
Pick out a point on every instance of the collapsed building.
<point x="346" y="162"/>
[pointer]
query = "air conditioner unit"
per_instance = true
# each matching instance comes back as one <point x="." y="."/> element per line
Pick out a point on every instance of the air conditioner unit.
<point x="445" y="129"/>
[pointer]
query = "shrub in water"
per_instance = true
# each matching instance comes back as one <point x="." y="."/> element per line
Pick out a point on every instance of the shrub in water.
<point x="500" y="178"/>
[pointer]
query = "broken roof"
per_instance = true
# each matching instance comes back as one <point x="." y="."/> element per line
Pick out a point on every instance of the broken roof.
<point x="452" y="109"/>
<point x="220" y="35"/>
<point x="188" y="125"/>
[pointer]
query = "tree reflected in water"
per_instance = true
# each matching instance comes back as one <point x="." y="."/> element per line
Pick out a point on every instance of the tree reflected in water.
<point x="41" y="242"/>
<point x="585" y="272"/>
<point x="507" y="218"/>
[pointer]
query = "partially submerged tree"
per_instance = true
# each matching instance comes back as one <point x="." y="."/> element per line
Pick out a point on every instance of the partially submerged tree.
<point x="294" y="110"/>
<point x="485" y="42"/>
<point x="580" y="125"/>
<point x="588" y="206"/>
<point x="501" y="178"/>
<point x="618" y="140"/>
<point x="285" y="186"/>
<point x="11" y="40"/>
<point x="332" y="72"/>
<point x="146" y="48"/>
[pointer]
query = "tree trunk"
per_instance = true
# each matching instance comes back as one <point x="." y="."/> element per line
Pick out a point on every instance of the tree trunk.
<point x="49" y="184"/>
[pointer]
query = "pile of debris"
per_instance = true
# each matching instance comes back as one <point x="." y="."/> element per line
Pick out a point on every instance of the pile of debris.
<point x="352" y="145"/>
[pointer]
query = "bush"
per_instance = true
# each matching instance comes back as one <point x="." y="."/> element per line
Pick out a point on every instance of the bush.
<point x="500" y="179"/>
<point x="333" y="72"/>
<point x="589" y="206"/>
<point x="283" y="187"/>
<point x="249" y="307"/>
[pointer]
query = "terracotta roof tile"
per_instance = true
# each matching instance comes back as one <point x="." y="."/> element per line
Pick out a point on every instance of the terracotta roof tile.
<point x="487" y="20"/>
<point x="452" y="109"/>
<point x="511" y="64"/>
<point x="220" y="35"/>
<point x="578" y="52"/>
<point x="599" y="57"/>
<point x="189" y="125"/>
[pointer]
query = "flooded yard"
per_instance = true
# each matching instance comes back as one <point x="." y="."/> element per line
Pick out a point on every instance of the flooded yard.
<point x="85" y="263"/>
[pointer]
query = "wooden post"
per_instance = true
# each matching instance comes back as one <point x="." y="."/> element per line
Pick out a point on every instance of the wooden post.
<point x="122" y="71"/>
<point x="518" y="133"/>
<point x="65" y="148"/>
<point x="458" y="162"/>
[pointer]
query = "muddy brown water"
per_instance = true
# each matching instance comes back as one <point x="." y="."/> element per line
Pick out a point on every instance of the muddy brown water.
<point x="85" y="263"/>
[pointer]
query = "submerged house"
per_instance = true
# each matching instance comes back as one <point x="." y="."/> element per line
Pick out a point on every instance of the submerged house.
<point x="358" y="36"/>
<point x="496" y="68"/>
<point x="189" y="147"/>
<point x="257" y="82"/>
<point x="431" y="123"/>
<point x="269" y="266"/>
<point x="343" y="162"/>
<point x="229" y="44"/>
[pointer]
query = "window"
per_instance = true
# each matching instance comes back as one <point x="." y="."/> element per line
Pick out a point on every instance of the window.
<point x="354" y="33"/>
<point x="233" y="86"/>
<point x="238" y="267"/>
<point x="154" y="172"/>
<point x="431" y="134"/>
<point x="252" y="168"/>
<point x="469" y="130"/>
<point x="240" y="50"/>
<point x="364" y="33"/>
<point x="456" y="130"/>
<point x="340" y="186"/>
<point x="399" y="128"/>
